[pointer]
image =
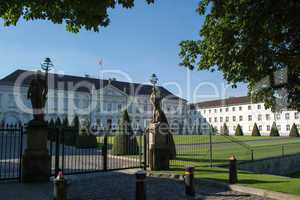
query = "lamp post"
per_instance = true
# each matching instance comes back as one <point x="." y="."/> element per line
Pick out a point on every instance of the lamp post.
<point x="154" y="80"/>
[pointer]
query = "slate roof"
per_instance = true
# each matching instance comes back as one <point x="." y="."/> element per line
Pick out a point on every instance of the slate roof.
<point x="62" y="81"/>
<point x="224" y="102"/>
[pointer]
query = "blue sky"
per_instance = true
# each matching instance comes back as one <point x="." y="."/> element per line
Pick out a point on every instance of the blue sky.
<point x="139" y="42"/>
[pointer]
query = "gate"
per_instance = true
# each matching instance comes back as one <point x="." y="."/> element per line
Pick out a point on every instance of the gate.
<point x="77" y="154"/>
<point x="11" y="149"/>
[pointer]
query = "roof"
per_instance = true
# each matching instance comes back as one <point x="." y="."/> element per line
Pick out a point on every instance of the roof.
<point x="224" y="102"/>
<point x="60" y="81"/>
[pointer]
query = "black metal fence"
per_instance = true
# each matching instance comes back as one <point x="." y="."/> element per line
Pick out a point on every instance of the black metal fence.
<point x="11" y="148"/>
<point x="73" y="153"/>
<point x="215" y="150"/>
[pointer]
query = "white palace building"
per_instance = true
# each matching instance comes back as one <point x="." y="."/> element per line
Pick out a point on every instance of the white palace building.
<point x="241" y="110"/>
<point x="101" y="102"/>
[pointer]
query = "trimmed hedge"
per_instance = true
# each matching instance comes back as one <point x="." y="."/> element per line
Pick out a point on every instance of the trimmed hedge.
<point x="224" y="130"/>
<point x="125" y="143"/>
<point x="238" y="131"/>
<point x="70" y="136"/>
<point x="86" y="141"/>
<point x="294" y="131"/>
<point x="255" y="130"/>
<point x="274" y="131"/>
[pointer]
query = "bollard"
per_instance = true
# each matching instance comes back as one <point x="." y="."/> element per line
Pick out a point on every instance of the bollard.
<point x="140" y="191"/>
<point x="232" y="170"/>
<point x="189" y="181"/>
<point x="60" y="187"/>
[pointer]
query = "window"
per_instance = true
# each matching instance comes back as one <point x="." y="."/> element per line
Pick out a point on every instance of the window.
<point x="209" y="119"/>
<point x="296" y="115"/>
<point x="204" y="111"/>
<point x="221" y="110"/>
<point x="119" y="107"/>
<point x="240" y="108"/>
<point x="146" y="108"/>
<point x="258" y="107"/>
<point x="260" y="127"/>
<point x="267" y="116"/>
<point x="221" y="119"/>
<point x="278" y="116"/>
<point x="249" y="107"/>
<point x="234" y="118"/>
<point x="241" y="118"/>
<point x="109" y="107"/>
<point x="227" y="119"/>
<point x="233" y="108"/>
<point x="279" y="127"/>
<point x="226" y="109"/>
<point x="249" y="117"/>
<point x="288" y="127"/>
<point x="287" y="116"/>
<point x="215" y="110"/>
<point x="209" y="111"/>
<point x="216" y="119"/>
<point x="268" y="127"/>
<point x="259" y="117"/>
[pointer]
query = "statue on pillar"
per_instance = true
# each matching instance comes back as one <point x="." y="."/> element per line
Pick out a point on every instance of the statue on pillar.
<point x="38" y="90"/>
<point x="36" y="159"/>
<point x="162" y="147"/>
<point x="37" y="93"/>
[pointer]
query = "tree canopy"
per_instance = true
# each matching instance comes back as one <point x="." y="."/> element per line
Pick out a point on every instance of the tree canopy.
<point x="78" y="14"/>
<point x="248" y="41"/>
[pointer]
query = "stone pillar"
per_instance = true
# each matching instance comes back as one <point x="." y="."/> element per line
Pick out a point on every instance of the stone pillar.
<point x="36" y="159"/>
<point x="159" y="155"/>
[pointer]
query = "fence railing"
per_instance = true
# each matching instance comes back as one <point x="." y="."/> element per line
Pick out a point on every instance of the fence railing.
<point x="11" y="148"/>
<point x="75" y="153"/>
<point x="214" y="150"/>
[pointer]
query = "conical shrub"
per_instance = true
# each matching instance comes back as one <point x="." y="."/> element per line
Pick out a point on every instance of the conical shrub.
<point x="238" y="131"/>
<point x="274" y="131"/>
<point x="294" y="131"/>
<point x="255" y="130"/>
<point x="125" y="142"/>
<point x="224" y="130"/>
<point x="66" y="122"/>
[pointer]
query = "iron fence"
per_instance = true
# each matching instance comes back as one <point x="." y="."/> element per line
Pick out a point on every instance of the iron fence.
<point x="11" y="148"/>
<point x="73" y="153"/>
<point x="215" y="150"/>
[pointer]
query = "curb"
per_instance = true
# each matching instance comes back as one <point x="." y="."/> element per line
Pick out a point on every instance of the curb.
<point x="237" y="188"/>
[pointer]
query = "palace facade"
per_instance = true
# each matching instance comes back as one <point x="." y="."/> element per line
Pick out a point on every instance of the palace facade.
<point x="99" y="102"/>
<point x="241" y="110"/>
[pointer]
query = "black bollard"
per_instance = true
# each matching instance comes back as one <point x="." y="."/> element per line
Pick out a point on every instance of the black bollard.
<point x="140" y="192"/>
<point x="60" y="187"/>
<point x="232" y="170"/>
<point x="189" y="181"/>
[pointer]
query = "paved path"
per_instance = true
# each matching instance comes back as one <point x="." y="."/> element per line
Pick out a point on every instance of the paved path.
<point x="117" y="186"/>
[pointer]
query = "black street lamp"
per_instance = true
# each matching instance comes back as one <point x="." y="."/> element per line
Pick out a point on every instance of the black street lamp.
<point x="154" y="79"/>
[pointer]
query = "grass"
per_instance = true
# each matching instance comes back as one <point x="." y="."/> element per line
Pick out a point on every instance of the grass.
<point x="198" y="152"/>
<point x="194" y="150"/>
<point x="262" y="181"/>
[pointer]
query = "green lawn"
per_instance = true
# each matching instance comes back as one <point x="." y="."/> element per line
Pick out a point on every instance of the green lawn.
<point x="199" y="155"/>
<point x="262" y="181"/>
<point x="194" y="150"/>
